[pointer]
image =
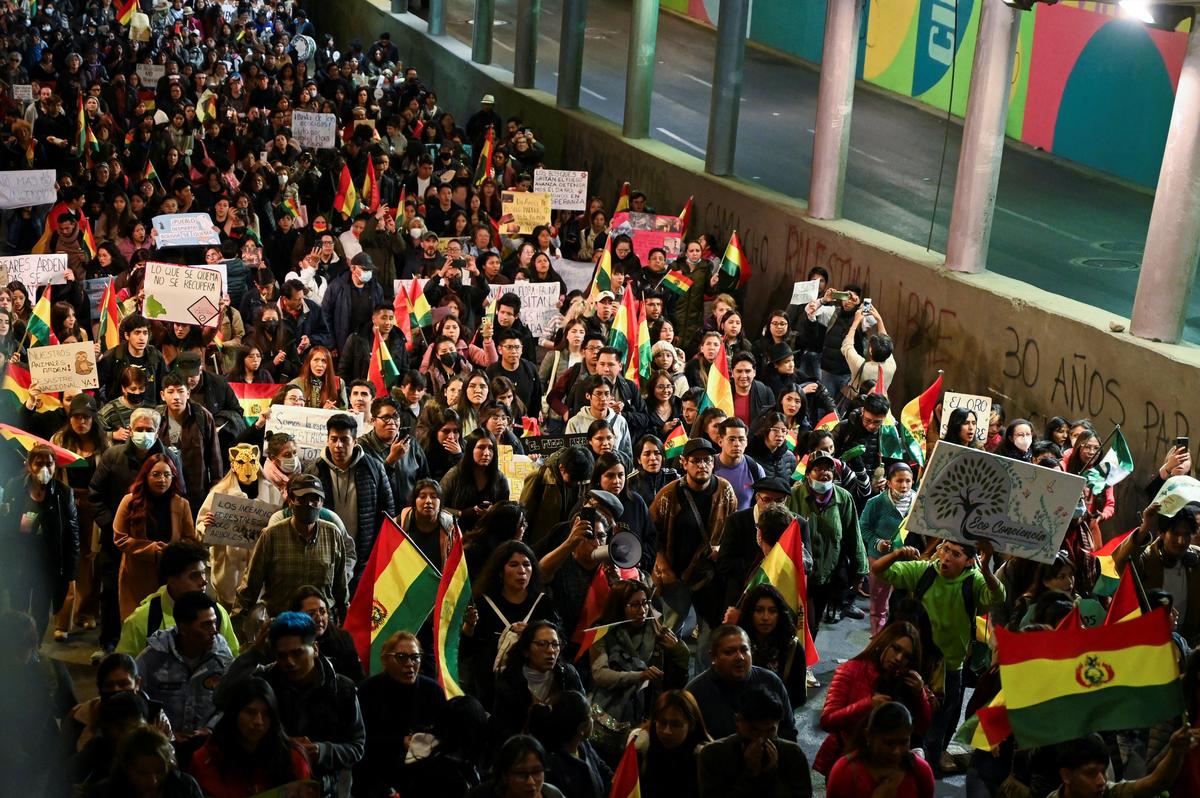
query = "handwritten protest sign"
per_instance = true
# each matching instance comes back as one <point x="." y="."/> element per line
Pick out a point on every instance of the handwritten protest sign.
<point x="36" y="270"/>
<point x="549" y="444"/>
<point x="185" y="230"/>
<point x="969" y="495"/>
<point x="527" y="208"/>
<point x="57" y="368"/>
<point x="567" y="188"/>
<point x="307" y="426"/>
<point x="237" y="521"/>
<point x="186" y="294"/>
<point x="517" y="467"/>
<point x="23" y="91"/>
<point x="804" y="292"/>
<point x="314" y="130"/>
<point x="151" y="73"/>
<point x="26" y="188"/>
<point x="645" y="240"/>
<point x="1175" y="493"/>
<point x="981" y="406"/>
<point x="538" y="302"/>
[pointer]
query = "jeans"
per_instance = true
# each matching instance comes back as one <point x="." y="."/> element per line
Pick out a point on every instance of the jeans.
<point x="834" y="382"/>
<point x="681" y="617"/>
<point x="820" y="597"/>
<point x="881" y="591"/>
<point x="945" y="720"/>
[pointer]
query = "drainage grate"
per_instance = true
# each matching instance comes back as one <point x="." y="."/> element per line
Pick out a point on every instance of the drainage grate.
<point x="1108" y="264"/>
<point x="1122" y="246"/>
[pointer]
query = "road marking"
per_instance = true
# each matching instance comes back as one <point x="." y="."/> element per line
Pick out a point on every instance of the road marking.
<point x="1040" y="223"/>
<point x="866" y="154"/>
<point x="505" y="46"/>
<point x="681" y="140"/>
<point x="598" y="96"/>
<point x="698" y="80"/>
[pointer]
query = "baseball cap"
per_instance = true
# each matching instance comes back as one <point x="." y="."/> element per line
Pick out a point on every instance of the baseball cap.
<point x="606" y="295"/>
<point x="488" y="100"/>
<point x="702" y="445"/>
<point x="305" y="485"/>
<point x="819" y="458"/>
<point x="188" y="363"/>
<point x="363" y="261"/>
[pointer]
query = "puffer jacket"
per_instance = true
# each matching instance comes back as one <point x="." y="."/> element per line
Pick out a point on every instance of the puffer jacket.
<point x="373" y="492"/>
<point x="186" y="692"/>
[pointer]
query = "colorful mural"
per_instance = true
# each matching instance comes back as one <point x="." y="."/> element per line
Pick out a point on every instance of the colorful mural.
<point x="1088" y="84"/>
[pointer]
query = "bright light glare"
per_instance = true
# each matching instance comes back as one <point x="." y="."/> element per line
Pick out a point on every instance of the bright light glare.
<point x="1138" y="9"/>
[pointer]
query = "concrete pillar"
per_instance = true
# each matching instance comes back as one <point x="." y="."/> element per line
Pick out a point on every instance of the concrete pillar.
<point x="481" y="36"/>
<point x="728" y="65"/>
<point x="437" y="17"/>
<point x="639" y="72"/>
<point x="835" y="101"/>
<point x="983" y="139"/>
<point x="525" y="58"/>
<point x="570" y="53"/>
<point x="399" y="6"/>
<point x="1173" y="238"/>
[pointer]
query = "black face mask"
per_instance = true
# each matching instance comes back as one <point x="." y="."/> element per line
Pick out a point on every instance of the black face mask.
<point x="449" y="360"/>
<point x="270" y="326"/>
<point x="135" y="398"/>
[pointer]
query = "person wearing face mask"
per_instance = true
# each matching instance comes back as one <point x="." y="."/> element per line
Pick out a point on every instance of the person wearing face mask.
<point x="1018" y="439"/>
<point x="116" y="471"/>
<point x="880" y="524"/>
<point x="422" y="258"/>
<point x="351" y="299"/>
<point x="42" y="529"/>
<point x="839" y="558"/>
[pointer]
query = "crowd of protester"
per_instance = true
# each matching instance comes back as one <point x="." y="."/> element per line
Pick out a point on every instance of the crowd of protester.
<point x="225" y="671"/>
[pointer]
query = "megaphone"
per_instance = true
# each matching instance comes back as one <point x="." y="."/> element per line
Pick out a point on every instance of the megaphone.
<point x="623" y="551"/>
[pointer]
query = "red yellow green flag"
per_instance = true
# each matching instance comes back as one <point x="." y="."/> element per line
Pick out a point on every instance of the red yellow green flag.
<point x="783" y="567"/>
<point x="382" y="372"/>
<point x="593" y="636"/>
<point x="801" y="469"/>
<point x="685" y="218"/>
<point x="675" y="442"/>
<point x="1127" y="601"/>
<point x="1066" y="683"/>
<point x="916" y="415"/>
<point x="346" y="201"/>
<point x="645" y="362"/>
<point x="734" y="262"/>
<point x="623" y="199"/>
<point x="17" y="381"/>
<point x="1106" y="585"/>
<point x="50" y="228"/>
<point x="485" y="167"/>
<point x="31" y="152"/>
<point x="626" y="782"/>
<point x="254" y="397"/>
<point x="623" y="330"/>
<point x="677" y="282"/>
<point x="453" y="596"/>
<point x="292" y="207"/>
<point x="38" y="327"/>
<point x="86" y="237"/>
<point x="150" y="173"/>
<point x="125" y="10"/>
<point x="403" y="317"/>
<point x="593" y="604"/>
<point x="110" y="319"/>
<point x="988" y="727"/>
<point x="421" y="313"/>
<point x="206" y="108"/>
<point x="397" y="593"/>
<point x="370" y="190"/>
<point x="64" y="458"/>
<point x="828" y="422"/>
<point x="719" y="391"/>
<point x="602" y="277"/>
<point x="81" y="128"/>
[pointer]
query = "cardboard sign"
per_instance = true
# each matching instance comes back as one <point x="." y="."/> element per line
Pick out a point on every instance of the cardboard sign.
<point x="35" y="270"/>
<point x="549" y="444"/>
<point x="314" y="130"/>
<point x="980" y="405"/>
<point x="94" y="289"/>
<point x="567" y="188"/>
<point x="57" y="368"/>
<point x="26" y="188"/>
<point x="151" y="73"/>
<point x="516" y="467"/>
<point x="1174" y="494"/>
<point x="804" y="292"/>
<point x="237" y="521"/>
<point x="23" y="91"/>
<point x="527" y="208"/>
<point x="968" y="495"/>
<point x="186" y="230"/>
<point x="626" y="222"/>
<point x="645" y="240"/>
<point x="539" y="302"/>
<point x="185" y="294"/>
<point x="307" y="426"/>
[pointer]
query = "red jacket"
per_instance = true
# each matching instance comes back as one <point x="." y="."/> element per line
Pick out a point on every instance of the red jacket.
<point x="848" y="703"/>
<point x="219" y="780"/>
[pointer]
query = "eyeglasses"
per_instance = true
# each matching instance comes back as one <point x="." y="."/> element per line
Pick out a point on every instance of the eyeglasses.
<point x="547" y="645"/>
<point x="511" y="347"/>
<point x="701" y="460"/>
<point x="525" y="775"/>
<point x="390" y="418"/>
<point x="639" y="605"/>
<point x="778" y="430"/>
<point x="401" y="658"/>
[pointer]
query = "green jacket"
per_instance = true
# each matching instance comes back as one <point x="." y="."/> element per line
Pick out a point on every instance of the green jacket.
<point x="880" y="521"/>
<point x="689" y="308"/>
<point x="952" y="630"/>
<point x="133" y="630"/>
<point x="829" y="530"/>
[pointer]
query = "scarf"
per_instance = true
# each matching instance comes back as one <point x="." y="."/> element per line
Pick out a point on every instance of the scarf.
<point x="902" y="504"/>
<point x="540" y="684"/>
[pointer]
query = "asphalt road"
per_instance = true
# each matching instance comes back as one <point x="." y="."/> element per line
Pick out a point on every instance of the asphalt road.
<point x="1075" y="234"/>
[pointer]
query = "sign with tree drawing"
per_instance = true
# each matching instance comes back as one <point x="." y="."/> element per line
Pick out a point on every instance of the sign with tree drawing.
<point x="970" y="495"/>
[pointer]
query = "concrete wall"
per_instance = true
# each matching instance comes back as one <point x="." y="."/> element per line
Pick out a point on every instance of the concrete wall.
<point x="1041" y="354"/>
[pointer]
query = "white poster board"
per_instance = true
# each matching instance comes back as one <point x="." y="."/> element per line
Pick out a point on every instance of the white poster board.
<point x="151" y="73"/>
<point x="237" y="521"/>
<point x="980" y="405"/>
<point x="184" y="294"/>
<point x="567" y="188"/>
<point x="185" y="230"/>
<point x="314" y="130"/>
<point x="307" y="426"/>
<point x="968" y="495"/>
<point x="36" y="270"/>
<point x="23" y="91"/>
<point x="804" y="292"/>
<point x="1175" y="493"/>
<point x="539" y="302"/>
<point x="26" y="188"/>
<point x="58" y="368"/>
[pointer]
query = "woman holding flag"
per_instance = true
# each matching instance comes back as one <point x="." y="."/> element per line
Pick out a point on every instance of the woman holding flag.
<point x="880" y="524"/>
<point x="772" y="628"/>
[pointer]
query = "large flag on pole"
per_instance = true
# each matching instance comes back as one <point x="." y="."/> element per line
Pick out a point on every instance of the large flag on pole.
<point x="38" y="327"/>
<point x="1116" y="464"/>
<point x="719" y="391"/>
<point x="453" y="596"/>
<point x="917" y="414"/>
<point x="685" y="218"/>
<point x="382" y="371"/>
<point x="370" y="193"/>
<point x="110" y="319"/>
<point x="735" y="263"/>
<point x="602" y="277"/>
<point x="346" y="201"/>
<point x="783" y="567"/>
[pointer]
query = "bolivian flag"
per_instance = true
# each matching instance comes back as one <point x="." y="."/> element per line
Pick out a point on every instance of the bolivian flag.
<point x="254" y="397"/>
<point x="382" y="372"/>
<point x="206" y="108"/>
<point x="530" y="427"/>
<point x="17" y="381"/>
<point x="38" y="328"/>
<point x="82" y="128"/>
<point x="485" y="167"/>
<point x="719" y="391"/>
<point x="453" y="596"/>
<point x="593" y="636"/>
<point x="783" y="567"/>
<point x="64" y="458"/>
<point x="420" y="312"/>
<point x="685" y="218"/>
<point x="828" y="423"/>
<point x="346" y="201"/>
<point x="1128" y="601"/>
<point x="602" y="277"/>
<point x="675" y="442"/>
<point x="622" y="199"/>
<point x="734" y="263"/>
<point x="397" y="593"/>
<point x="626" y="782"/>
<point x="988" y="727"/>
<point x="86" y="237"/>
<point x="624" y="328"/>
<point x="677" y="282"/>
<point x="916" y="415"/>
<point x="370" y="192"/>
<point x="110" y="319"/>
<point x="644" y="362"/>
<point x="801" y="469"/>
<point x="292" y="207"/>
<point x="50" y="228"/>
<point x="1066" y="683"/>
<point x="125" y="9"/>
<point x="1106" y="585"/>
<point x="403" y="318"/>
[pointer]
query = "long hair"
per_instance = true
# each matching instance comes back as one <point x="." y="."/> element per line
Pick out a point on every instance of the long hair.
<point x="498" y="524"/>
<point x="491" y="579"/>
<point x="274" y="752"/>
<point x="468" y="464"/>
<point x="139" y="494"/>
<point x="516" y="655"/>
<point x="67" y="438"/>
<point x="603" y="463"/>
<point x="330" y="383"/>
<point x="888" y="635"/>
<point x="958" y="417"/>
<point x="464" y="407"/>
<point x="620" y="594"/>
<point x="703" y="420"/>
<point x="685" y="704"/>
<point x="785" y="625"/>
<point x="1076" y="462"/>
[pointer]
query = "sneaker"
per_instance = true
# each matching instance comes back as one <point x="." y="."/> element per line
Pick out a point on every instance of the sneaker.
<point x="87" y="625"/>
<point x="60" y="636"/>
<point x="810" y="680"/>
<point x="851" y="611"/>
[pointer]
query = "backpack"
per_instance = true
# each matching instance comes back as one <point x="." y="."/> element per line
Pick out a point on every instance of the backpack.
<point x="978" y="654"/>
<point x="508" y="637"/>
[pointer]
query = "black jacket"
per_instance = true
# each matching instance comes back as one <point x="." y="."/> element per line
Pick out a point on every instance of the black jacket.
<point x="57" y="543"/>
<point x="354" y="359"/>
<point x="214" y="395"/>
<point x="740" y="553"/>
<point x="115" y="471"/>
<point x="392" y="711"/>
<point x="373" y="493"/>
<point x="510" y="710"/>
<point x="112" y="362"/>
<point x="527" y="382"/>
<point x="336" y="307"/>
<point x="832" y="359"/>
<point x="762" y="400"/>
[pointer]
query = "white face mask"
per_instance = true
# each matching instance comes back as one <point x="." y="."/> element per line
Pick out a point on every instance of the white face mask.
<point x="416" y="233"/>
<point x="44" y="475"/>
<point x="289" y="465"/>
<point x="821" y="487"/>
<point x="366" y="277"/>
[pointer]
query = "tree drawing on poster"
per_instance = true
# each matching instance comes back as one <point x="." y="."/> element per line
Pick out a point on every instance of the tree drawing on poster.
<point x="975" y="489"/>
